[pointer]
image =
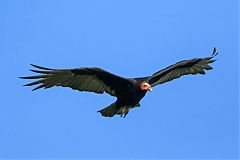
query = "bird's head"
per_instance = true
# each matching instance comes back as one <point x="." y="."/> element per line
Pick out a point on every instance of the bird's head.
<point x="144" y="86"/>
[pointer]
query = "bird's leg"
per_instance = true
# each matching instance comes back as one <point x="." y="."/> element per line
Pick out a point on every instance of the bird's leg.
<point x="126" y="111"/>
<point x="123" y="111"/>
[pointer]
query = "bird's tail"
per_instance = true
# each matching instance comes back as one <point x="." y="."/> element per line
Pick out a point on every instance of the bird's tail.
<point x="113" y="109"/>
<point x="109" y="111"/>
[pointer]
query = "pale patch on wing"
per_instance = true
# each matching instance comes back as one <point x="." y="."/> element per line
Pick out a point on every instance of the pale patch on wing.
<point x="194" y="66"/>
<point x="65" y="78"/>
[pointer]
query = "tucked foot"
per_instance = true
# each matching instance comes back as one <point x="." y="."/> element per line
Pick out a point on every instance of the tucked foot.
<point x="123" y="111"/>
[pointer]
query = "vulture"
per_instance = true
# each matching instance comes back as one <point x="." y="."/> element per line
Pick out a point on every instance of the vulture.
<point x="128" y="91"/>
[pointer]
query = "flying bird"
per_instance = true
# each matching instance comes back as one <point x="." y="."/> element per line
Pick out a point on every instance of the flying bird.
<point x="128" y="91"/>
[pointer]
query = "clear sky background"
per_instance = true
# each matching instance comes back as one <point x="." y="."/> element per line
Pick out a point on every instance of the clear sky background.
<point x="192" y="117"/>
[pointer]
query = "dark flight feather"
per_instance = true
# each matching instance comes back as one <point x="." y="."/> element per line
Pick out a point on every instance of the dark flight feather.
<point x="193" y="66"/>
<point x="83" y="79"/>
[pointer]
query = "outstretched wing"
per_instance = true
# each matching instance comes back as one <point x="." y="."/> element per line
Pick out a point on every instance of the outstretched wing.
<point x="193" y="66"/>
<point x="83" y="79"/>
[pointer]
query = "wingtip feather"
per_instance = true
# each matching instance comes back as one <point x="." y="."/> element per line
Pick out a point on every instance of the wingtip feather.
<point x="41" y="86"/>
<point x="41" y="72"/>
<point x="21" y="77"/>
<point x="34" y="77"/>
<point x="40" y="67"/>
<point x="214" y="52"/>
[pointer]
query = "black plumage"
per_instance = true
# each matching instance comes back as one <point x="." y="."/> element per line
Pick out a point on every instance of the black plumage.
<point x="129" y="91"/>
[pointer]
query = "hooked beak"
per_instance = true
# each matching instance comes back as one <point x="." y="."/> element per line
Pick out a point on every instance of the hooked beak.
<point x="144" y="86"/>
<point x="150" y="89"/>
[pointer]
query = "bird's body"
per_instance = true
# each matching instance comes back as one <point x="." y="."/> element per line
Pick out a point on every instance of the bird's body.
<point x="132" y="95"/>
<point x="128" y="91"/>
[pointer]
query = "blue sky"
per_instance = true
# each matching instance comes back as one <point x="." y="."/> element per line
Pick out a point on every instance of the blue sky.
<point x="192" y="117"/>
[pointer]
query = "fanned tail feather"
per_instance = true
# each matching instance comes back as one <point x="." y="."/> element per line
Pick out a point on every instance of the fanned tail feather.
<point x="109" y="111"/>
<point x="113" y="109"/>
